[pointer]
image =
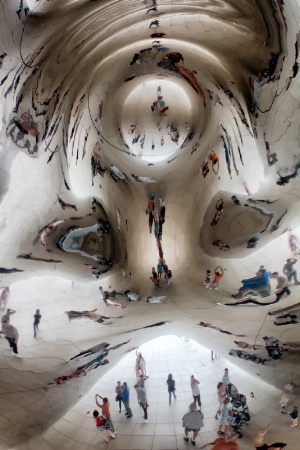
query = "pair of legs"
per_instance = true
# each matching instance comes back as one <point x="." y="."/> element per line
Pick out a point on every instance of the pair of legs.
<point x="145" y="411"/>
<point x="120" y="400"/>
<point x="12" y="344"/>
<point x="225" y="429"/>
<point x="284" y="291"/>
<point x="294" y="423"/>
<point x="35" y="328"/>
<point x="128" y="409"/>
<point x="170" y="395"/>
<point x="293" y="275"/>
<point x="195" y="434"/>
<point x="105" y="433"/>
<point x="197" y="399"/>
<point x="169" y="281"/>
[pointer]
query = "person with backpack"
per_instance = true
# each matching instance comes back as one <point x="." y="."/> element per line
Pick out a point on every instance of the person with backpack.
<point x="171" y="387"/>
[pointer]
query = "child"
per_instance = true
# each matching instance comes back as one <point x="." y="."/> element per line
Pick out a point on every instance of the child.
<point x="169" y="275"/>
<point x="101" y="426"/>
<point x="207" y="279"/>
<point x="294" y="417"/>
<point x="37" y="318"/>
<point x="283" y="402"/>
<point x="217" y="278"/>
<point x="225" y="379"/>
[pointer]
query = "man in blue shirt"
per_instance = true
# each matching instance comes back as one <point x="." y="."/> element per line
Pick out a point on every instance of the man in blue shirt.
<point x="126" y="400"/>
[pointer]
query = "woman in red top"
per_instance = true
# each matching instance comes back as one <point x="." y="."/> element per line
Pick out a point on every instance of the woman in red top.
<point x="100" y="424"/>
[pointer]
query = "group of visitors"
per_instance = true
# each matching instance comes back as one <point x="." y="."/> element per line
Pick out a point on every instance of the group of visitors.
<point x="218" y="275"/>
<point x="156" y="276"/>
<point x="11" y="333"/>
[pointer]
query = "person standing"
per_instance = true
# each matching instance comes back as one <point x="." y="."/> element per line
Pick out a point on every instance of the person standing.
<point x="36" y="320"/>
<point x="159" y="269"/>
<point x="282" y="286"/>
<point x="140" y="365"/>
<point x="225" y="379"/>
<point x="142" y="400"/>
<point x="192" y="421"/>
<point x="128" y="412"/>
<point x="6" y="316"/>
<point x="155" y="282"/>
<point x="171" y="387"/>
<point x="12" y="336"/>
<point x="169" y="275"/>
<point x="100" y="424"/>
<point x="195" y="390"/>
<point x="119" y="396"/>
<point x="105" y="407"/>
<point x="290" y="271"/>
<point x="224" y="417"/>
<point x="221" y="397"/>
<point x="294" y="417"/>
<point x="166" y="268"/>
<point x="283" y="403"/>
<point x="219" y="273"/>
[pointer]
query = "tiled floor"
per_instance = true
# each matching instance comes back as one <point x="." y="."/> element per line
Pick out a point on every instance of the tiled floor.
<point x="182" y="358"/>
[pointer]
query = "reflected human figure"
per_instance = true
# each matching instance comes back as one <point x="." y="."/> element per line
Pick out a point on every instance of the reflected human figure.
<point x="282" y="286"/>
<point x="90" y="351"/>
<point x="4" y="297"/>
<point x="293" y="243"/>
<point x="108" y="299"/>
<point x="49" y="231"/>
<point x="242" y="344"/>
<point x="289" y="270"/>
<point x="152" y="299"/>
<point x="36" y="320"/>
<point x="140" y="365"/>
<point x="209" y="325"/>
<point x="288" y="319"/>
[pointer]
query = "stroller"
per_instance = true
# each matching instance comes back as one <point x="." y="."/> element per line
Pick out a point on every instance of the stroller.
<point x="274" y="351"/>
<point x="238" y="418"/>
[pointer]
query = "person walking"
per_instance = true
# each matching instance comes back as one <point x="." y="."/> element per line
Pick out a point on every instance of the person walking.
<point x="171" y="387"/>
<point x="155" y="282"/>
<point x="192" y="421"/>
<point x="221" y="397"/>
<point x="282" y="286"/>
<point x="283" y="403"/>
<point x="12" y="336"/>
<point x="105" y="407"/>
<point x="126" y="398"/>
<point x="119" y="396"/>
<point x="224" y="417"/>
<point x="142" y="400"/>
<point x="100" y="425"/>
<point x="36" y="320"/>
<point x="290" y="271"/>
<point x="195" y="390"/>
<point x="294" y="417"/>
